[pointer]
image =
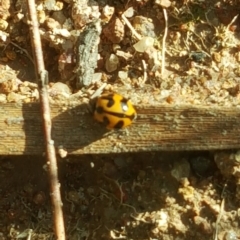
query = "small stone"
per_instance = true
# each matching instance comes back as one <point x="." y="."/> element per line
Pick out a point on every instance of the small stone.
<point x="203" y="224"/>
<point x="25" y="90"/>
<point x="112" y="63"/>
<point x="231" y="235"/>
<point x="62" y="32"/>
<point x="68" y="25"/>
<point x="3" y="36"/>
<point x="59" y="17"/>
<point x="202" y="166"/>
<point x="52" y="24"/>
<point x="3" y="98"/>
<point x="3" y="24"/>
<point x="4" y="9"/>
<point x="129" y="12"/>
<point x="84" y="12"/>
<point x="116" y="47"/>
<point x="14" y="97"/>
<point x="144" y="26"/>
<point x="19" y="16"/>
<point x="62" y="152"/>
<point x="107" y="13"/>
<point x="31" y="85"/>
<point x="52" y="5"/>
<point x="187" y="193"/>
<point x="237" y="156"/>
<point x="143" y="44"/>
<point x="181" y="169"/>
<point x="216" y="57"/>
<point x="27" y="100"/>
<point x="123" y="75"/>
<point x="41" y="15"/>
<point x="114" y="30"/>
<point x="163" y="3"/>
<point x="162" y="220"/>
<point x="238" y="56"/>
<point x="177" y="223"/>
<point x="125" y="55"/>
<point x="60" y="88"/>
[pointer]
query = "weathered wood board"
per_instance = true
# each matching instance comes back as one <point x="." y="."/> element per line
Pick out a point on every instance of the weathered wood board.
<point x="157" y="128"/>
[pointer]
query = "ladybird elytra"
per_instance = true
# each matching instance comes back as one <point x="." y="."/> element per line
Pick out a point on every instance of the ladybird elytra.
<point x="114" y="111"/>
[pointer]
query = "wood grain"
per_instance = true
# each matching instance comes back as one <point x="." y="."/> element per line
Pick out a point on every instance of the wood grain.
<point x="157" y="128"/>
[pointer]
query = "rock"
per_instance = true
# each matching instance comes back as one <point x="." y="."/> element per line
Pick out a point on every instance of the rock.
<point x="143" y="44"/>
<point x="181" y="169"/>
<point x="114" y="30"/>
<point x="144" y="26"/>
<point x="112" y="63"/>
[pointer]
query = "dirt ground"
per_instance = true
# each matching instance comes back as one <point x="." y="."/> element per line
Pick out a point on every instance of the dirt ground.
<point x="126" y="196"/>
<point x="158" y="195"/>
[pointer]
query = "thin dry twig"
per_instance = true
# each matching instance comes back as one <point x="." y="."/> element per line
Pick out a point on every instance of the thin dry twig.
<point x="50" y="150"/>
<point x="99" y="91"/>
<point x="22" y="49"/>
<point x="233" y="20"/>
<point x="144" y="71"/>
<point x="134" y="32"/>
<point x="164" y="40"/>
<point x="220" y="214"/>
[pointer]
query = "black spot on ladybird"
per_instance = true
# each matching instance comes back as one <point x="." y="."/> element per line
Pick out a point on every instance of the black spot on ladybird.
<point x="119" y="125"/>
<point x="105" y="121"/>
<point x="99" y="110"/>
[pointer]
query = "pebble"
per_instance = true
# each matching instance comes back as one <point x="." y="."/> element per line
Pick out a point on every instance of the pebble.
<point x="114" y="30"/>
<point x="129" y="12"/>
<point x="201" y="165"/>
<point x="107" y="13"/>
<point x="112" y="63"/>
<point x="143" y="44"/>
<point x="3" y="24"/>
<point x="3" y="98"/>
<point x="52" y="5"/>
<point x="59" y="17"/>
<point x="14" y="97"/>
<point x="204" y="225"/>
<point x="236" y="156"/>
<point x="60" y="88"/>
<point x="52" y="24"/>
<point x="144" y="26"/>
<point x="41" y="15"/>
<point x="123" y="75"/>
<point x="231" y="235"/>
<point x="163" y="3"/>
<point x="227" y="235"/>
<point x="181" y="169"/>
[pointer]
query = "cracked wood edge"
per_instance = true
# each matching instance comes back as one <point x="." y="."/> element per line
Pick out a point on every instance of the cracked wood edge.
<point x="157" y="128"/>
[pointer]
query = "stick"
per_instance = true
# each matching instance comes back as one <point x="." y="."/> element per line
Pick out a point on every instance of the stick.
<point x="164" y="40"/>
<point x="134" y="32"/>
<point x="49" y="143"/>
<point x="144" y="71"/>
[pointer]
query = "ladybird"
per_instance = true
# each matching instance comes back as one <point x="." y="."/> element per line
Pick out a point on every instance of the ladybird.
<point x="114" y="111"/>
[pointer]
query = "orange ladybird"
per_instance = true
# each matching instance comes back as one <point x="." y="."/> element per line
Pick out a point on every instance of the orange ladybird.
<point x="114" y="111"/>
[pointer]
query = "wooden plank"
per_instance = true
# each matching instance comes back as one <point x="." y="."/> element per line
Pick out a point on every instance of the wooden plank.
<point x="157" y="128"/>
